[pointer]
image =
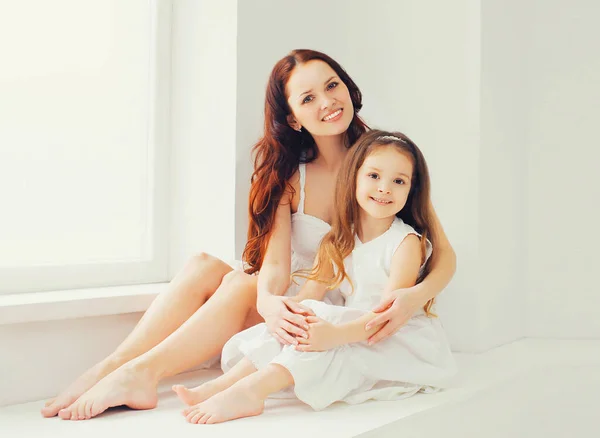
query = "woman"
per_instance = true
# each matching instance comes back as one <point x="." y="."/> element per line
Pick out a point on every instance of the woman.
<point x="311" y="117"/>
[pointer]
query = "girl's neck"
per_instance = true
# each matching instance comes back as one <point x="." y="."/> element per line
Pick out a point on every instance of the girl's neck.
<point x="331" y="151"/>
<point x="370" y="228"/>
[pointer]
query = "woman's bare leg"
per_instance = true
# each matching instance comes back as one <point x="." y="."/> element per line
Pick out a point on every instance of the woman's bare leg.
<point x="205" y="391"/>
<point x="246" y="398"/>
<point x="201" y="337"/>
<point x="189" y="290"/>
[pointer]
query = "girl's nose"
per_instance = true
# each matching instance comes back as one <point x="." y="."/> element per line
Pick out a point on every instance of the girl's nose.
<point x="383" y="190"/>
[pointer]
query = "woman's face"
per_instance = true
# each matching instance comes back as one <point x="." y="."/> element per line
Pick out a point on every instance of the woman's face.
<point x="319" y="100"/>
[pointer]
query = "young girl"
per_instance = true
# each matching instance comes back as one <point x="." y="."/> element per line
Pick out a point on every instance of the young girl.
<point x="381" y="239"/>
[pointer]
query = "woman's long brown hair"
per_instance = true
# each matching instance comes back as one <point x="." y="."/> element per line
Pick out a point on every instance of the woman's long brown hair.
<point x="280" y="150"/>
<point x="338" y="243"/>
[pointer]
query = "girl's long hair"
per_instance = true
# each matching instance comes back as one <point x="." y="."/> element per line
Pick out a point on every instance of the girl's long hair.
<point x="280" y="150"/>
<point x="338" y="243"/>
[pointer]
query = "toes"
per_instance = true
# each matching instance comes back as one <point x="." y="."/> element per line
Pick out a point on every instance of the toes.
<point x="65" y="414"/>
<point x="212" y="419"/>
<point x="194" y="416"/>
<point x="51" y="409"/>
<point x="204" y="419"/>
<point x="81" y="410"/>
<point x="49" y="402"/>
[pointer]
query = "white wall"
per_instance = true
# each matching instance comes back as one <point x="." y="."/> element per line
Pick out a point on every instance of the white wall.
<point x="40" y="359"/>
<point x="203" y="129"/>
<point x="419" y="72"/>
<point x="501" y="268"/>
<point x="562" y="229"/>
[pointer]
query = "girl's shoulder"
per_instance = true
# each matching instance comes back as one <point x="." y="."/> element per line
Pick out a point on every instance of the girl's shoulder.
<point x="399" y="231"/>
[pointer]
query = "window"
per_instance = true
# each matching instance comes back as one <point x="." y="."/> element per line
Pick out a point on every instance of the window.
<point x="84" y="133"/>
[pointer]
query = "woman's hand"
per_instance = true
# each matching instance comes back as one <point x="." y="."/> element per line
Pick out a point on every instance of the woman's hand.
<point x="284" y="317"/>
<point x="395" y="309"/>
<point x="322" y="336"/>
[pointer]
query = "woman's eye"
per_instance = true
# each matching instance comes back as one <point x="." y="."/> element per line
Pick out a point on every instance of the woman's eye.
<point x="373" y="175"/>
<point x="307" y="99"/>
<point x="332" y="85"/>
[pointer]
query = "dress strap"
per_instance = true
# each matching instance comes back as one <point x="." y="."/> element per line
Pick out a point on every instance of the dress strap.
<point x="302" y="169"/>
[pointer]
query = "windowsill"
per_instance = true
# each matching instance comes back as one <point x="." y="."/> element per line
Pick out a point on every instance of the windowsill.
<point x="77" y="303"/>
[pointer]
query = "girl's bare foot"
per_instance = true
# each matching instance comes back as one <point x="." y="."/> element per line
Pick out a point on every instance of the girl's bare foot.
<point x="205" y="391"/>
<point x="81" y="385"/>
<point x="128" y="385"/>
<point x="198" y="394"/>
<point x="237" y="401"/>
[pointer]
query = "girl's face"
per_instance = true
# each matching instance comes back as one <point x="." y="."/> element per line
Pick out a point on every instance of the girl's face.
<point x="319" y="100"/>
<point x="383" y="182"/>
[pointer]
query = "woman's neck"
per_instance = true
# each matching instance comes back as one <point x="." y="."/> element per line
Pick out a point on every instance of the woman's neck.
<point x="331" y="151"/>
<point x="370" y="228"/>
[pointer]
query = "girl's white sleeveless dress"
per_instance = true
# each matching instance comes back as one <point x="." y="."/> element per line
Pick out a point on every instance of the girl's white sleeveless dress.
<point x="417" y="358"/>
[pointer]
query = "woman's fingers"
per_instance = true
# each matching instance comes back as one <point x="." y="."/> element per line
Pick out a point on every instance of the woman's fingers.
<point x="385" y="331"/>
<point x="286" y="336"/>
<point x="297" y="320"/>
<point x="292" y="329"/>
<point x="380" y="319"/>
<point x="384" y="304"/>
<point x="279" y="339"/>
<point x="298" y="308"/>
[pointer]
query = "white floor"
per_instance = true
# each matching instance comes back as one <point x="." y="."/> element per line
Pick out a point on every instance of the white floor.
<point x="530" y="388"/>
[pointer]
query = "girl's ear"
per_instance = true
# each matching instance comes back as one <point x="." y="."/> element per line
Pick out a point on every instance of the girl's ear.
<point x="294" y="123"/>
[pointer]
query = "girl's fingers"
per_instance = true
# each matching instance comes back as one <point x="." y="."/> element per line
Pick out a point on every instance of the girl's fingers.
<point x="302" y="341"/>
<point x="304" y="347"/>
<point x="312" y="319"/>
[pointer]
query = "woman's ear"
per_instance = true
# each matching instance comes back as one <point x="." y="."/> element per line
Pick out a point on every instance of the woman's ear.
<point x="294" y="123"/>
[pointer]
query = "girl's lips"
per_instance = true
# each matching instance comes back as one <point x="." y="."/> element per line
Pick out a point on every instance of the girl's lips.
<point x="380" y="201"/>
<point x="337" y="117"/>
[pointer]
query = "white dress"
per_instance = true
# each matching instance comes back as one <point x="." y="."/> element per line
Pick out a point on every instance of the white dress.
<point x="417" y="358"/>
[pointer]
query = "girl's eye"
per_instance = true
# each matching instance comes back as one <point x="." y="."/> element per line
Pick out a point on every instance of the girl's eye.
<point x="307" y="99"/>
<point x="373" y="175"/>
<point x="332" y="85"/>
<point x="399" y="181"/>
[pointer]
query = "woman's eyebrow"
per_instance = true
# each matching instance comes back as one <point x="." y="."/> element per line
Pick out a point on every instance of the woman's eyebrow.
<point x="324" y="83"/>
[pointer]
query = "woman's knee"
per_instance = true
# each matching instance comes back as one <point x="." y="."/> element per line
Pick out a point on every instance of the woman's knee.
<point x="238" y="282"/>
<point x="205" y="273"/>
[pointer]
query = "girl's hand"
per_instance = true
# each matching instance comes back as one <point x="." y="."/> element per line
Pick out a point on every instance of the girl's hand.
<point x="395" y="309"/>
<point x="284" y="318"/>
<point x="322" y="336"/>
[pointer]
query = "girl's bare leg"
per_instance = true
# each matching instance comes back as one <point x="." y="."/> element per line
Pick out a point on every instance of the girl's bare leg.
<point x="245" y="398"/>
<point x="189" y="290"/>
<point x="201" y="337"/>
<point x="203" y="392"/>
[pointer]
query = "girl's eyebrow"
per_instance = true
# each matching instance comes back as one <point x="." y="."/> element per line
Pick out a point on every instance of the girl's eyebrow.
<point x="378" y="170"/>
<point x="310" y="91"/>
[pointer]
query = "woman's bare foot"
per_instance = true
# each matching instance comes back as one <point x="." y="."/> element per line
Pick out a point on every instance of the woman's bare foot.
<point x="237" y="401"/>
<point x="81" y="385"/>
<point x="129" y="385"/>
